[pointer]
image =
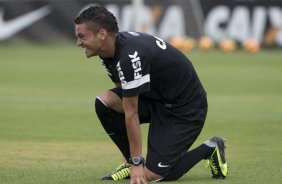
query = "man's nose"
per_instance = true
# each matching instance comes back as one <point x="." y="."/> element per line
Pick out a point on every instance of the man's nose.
<point x="78" y="42"/>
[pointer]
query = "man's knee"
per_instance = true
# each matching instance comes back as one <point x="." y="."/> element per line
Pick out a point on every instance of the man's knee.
<point x="100" y="106"/>
<point x="107" y="116"/>
<point x="111" y="100"/>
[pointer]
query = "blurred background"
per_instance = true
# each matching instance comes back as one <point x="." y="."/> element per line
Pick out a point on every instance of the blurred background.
<point x="49" y="131"/>
<point x="187" y="24"/>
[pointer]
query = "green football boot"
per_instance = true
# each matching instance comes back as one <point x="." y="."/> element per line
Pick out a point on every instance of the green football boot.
<point x="217" y="161"/>
<point x="121" y="172"/>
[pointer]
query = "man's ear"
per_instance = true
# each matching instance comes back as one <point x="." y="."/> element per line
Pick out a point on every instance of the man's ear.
<point x="102" y="34"/>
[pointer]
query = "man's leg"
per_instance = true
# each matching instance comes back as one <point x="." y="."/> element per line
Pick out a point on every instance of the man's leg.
<point x="109" y="111"/>
<point x="212" y="150"/>
<point x="177" y="129"/>
<point x="189" y="159"/>
<point x="185" y="163"/>
<point x="150" y="176"/>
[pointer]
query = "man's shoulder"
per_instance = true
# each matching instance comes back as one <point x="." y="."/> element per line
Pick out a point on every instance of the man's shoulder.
<point x="133" y="38"/>
<point x="130" y="42"/>
<point x="132" y="35"/>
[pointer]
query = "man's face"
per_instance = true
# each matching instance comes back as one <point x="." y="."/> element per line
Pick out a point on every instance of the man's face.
<point x="88" y="40"/>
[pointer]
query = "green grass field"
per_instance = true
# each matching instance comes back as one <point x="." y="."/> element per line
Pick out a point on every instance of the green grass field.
<point x="49" y="132"/>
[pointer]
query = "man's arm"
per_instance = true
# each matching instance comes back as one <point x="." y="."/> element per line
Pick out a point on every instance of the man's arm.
<point x="130" y="105"/>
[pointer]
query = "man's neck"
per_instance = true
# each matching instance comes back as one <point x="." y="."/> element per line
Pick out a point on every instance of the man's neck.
<point x="108" y="51"/>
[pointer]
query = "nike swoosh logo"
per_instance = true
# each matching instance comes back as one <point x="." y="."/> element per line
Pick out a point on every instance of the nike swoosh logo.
<point x="160" y="165"/>
<point x="11" y="27"/>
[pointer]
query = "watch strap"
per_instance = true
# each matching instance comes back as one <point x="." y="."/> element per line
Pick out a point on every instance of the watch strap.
<point x="141" y="160"/>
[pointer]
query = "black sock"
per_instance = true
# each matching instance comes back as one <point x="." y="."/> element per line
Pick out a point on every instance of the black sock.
<point x="189" y="160"/>
<point x="114" y="124"/>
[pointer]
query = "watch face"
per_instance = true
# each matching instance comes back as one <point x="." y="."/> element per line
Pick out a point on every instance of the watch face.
<point x="136" y="160"/>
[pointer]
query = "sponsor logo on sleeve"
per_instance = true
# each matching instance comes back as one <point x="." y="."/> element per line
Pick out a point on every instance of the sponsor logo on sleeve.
<point x="138" y="78"/>
<point x="136" y="64"/>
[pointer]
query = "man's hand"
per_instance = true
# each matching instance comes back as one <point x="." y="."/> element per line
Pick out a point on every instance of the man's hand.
<point x="137" y="175"/>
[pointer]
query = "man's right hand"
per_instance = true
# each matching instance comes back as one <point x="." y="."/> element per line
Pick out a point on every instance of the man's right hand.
<point x="137" y="175"/>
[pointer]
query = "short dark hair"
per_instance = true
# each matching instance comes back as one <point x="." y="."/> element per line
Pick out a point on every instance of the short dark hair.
<point x="99" y="16"/>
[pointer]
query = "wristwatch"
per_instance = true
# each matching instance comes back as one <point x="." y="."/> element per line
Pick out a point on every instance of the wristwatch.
<point x="137" y="160"/>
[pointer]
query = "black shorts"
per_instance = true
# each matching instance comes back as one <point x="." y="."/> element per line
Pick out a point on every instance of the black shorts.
<point x="172" y="130"/>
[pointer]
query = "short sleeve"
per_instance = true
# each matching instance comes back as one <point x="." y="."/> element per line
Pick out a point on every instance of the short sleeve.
<point x="134" y="73"/>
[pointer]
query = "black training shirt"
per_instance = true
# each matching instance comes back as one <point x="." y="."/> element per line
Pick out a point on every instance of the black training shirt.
<point x="146" y="65"/>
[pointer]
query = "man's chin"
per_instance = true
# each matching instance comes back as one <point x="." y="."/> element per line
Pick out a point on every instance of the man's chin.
<point x="88" y="55"/>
